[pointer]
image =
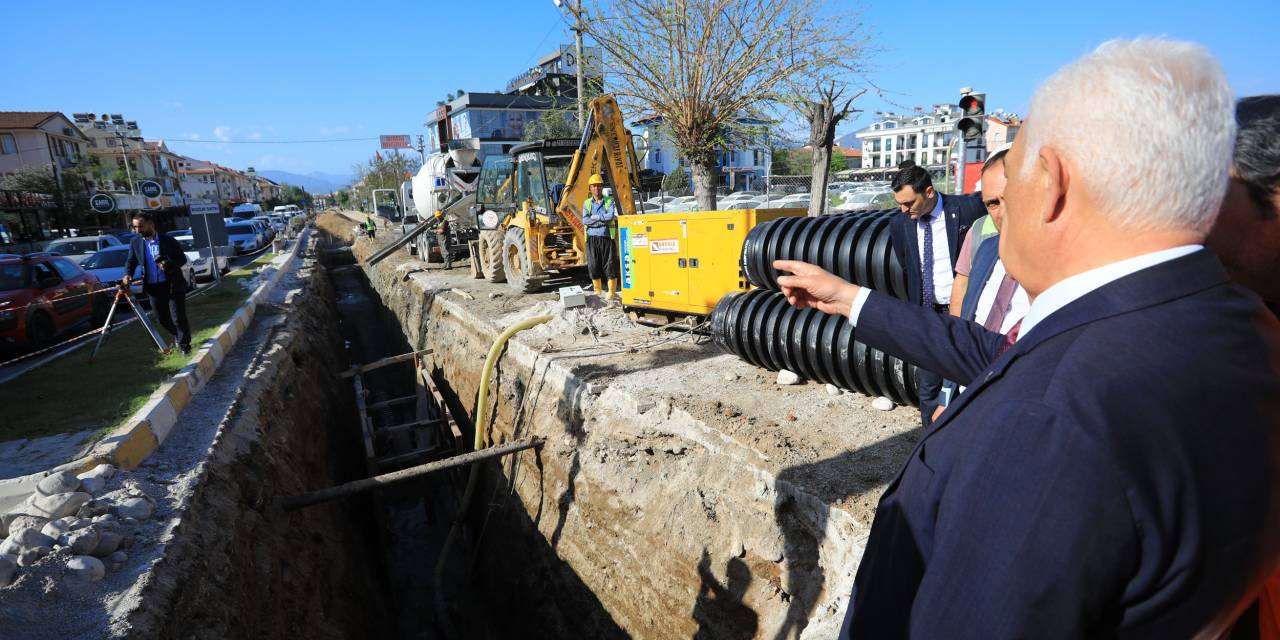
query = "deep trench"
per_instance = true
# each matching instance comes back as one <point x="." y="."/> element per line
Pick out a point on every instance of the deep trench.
<point x="407" y="522"/>
<point x="363" y="566"/>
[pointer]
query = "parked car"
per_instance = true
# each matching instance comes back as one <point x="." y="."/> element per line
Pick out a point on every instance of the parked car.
<point x="201" y="267"/>
<point x="43" y="295"/>
<point x="247" y="210"/>
<point x="77" y="249"/>
<point x="108" y="265"/>
<point x="861" y="199"/>
<point x="268" y="227"/>
<point x="245" y="237"/>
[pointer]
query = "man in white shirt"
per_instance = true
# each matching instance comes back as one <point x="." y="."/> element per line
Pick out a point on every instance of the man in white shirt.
<point x="1114" y="471"/>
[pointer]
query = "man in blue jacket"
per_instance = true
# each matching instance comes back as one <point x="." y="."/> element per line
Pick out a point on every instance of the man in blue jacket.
<point x="161" y="259"/>
<point x="927" y="239"/>
<point x="1115" y="471"/>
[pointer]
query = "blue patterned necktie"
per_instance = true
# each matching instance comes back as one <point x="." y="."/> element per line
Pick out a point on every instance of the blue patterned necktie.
<point x="926" y="263"/>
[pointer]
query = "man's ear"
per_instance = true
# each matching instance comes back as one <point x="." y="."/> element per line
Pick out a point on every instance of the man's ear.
<point x="1057" y="179"/>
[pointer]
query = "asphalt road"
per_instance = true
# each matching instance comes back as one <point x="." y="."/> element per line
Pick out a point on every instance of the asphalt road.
<point x="18" y="362"/>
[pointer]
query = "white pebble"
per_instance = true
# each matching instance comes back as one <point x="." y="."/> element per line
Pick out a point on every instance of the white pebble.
<point x="108" y="543"/>
<point x="833" y="390"/>
<point x="786" y="377"/>
<point x="883" y="404"/>
<point x="59" y="505"/>
<point x="30" y="556"/>
<point x="87" y="568"/>
<point x="61" y="482"/>
<point x="93" y="484"/>
<point x="730" y="376"/>
<point x="137" y="508"/>
<point x="55" y="528"/>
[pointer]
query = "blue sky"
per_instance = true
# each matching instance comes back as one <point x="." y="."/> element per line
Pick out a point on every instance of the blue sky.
<point x="230" y="71"/>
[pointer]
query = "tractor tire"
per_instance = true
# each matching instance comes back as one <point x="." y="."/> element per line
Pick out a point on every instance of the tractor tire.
<point x="522" y="274"/>
<point x="491" y="256"/>
<point x="40" y="329"/>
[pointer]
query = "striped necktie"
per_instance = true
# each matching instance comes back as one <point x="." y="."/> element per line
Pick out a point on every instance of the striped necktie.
<point x="1009" y="339"/>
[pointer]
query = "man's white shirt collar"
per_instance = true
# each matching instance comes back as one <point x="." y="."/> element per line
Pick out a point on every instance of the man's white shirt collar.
<point x="1071" y="289"/>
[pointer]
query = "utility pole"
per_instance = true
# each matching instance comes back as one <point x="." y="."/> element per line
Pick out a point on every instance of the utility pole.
<point x="577" y="43"/>
<point x="422" y="146"/>
<point x="124" y="151"/>
<point x="576" y="10"/>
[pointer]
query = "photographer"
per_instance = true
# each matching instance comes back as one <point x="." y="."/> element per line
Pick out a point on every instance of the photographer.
<point x="161" y="258"/>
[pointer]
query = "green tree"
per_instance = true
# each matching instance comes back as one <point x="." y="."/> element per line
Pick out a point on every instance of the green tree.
<point x="384" y="172"/>
<point x="553" y="123"/>
<point x="676" y="183"/>
<point x="70" y="194"/>
<point x="838" y="162"/>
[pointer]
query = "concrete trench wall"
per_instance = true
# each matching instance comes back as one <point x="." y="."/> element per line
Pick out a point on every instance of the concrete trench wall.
<point x="643" y="517"/>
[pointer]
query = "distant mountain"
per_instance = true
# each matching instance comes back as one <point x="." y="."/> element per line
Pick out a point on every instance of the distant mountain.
<point x="314" y="182"/>
<point x="849" y="140"/>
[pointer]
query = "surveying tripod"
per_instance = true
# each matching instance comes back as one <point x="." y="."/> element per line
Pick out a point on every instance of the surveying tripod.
<point x="123" y="292"/>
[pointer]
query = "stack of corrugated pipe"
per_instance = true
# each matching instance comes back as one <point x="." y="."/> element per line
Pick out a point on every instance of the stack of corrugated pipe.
<point x="761" y="328"/>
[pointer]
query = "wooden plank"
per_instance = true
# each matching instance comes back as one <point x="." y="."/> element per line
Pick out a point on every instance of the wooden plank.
<point x="444" y="408"/>
<point x="378" y="364"/>
<point x="365" y="430"/>
<point x="409" y="425"/>
<point x="393" y="401"/>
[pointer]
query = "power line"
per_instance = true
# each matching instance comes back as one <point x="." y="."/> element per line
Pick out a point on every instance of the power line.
<point x="182" y="139"/>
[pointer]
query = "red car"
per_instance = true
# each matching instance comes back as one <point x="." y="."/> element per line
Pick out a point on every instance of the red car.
<point x="43" y="295"/>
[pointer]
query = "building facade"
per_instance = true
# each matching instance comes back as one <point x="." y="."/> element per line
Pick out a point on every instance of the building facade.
<point x="39" y="138"/>
<point x="124" y="155"/>
<point x="741" y="168"/>
<point x="924" y="138"/>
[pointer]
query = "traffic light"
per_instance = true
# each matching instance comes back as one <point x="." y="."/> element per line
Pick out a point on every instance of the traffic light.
<point x="973" y="118"/>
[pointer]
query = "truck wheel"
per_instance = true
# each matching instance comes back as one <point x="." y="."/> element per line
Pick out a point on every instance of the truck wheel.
<point x="491" y="256"/>
<point x="522" y="274"/>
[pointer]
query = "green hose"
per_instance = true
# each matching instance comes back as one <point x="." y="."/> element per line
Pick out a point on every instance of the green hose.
<point x="482" y="426"/>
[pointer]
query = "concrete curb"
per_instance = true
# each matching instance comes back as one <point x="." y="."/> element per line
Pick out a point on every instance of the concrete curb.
<point x="129" y="445"/>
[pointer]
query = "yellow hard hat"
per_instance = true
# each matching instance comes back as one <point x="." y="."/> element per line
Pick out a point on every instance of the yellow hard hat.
<point x="595" y="179"/>
<point x="439" y="213"/>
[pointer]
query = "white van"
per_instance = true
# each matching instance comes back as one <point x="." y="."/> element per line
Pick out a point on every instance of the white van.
<point x="247" y="210"/>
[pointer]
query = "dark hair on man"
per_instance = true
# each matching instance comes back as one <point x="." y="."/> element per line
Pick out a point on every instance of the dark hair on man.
<point x="1257" y="153"/>
<point x="909" y="174"/>
<point x="143" y="215"/>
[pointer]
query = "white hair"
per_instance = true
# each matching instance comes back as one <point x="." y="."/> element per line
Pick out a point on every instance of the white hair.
<point x="1148" y="124"/>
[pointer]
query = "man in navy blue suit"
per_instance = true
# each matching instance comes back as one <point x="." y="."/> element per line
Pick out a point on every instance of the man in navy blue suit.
<point x="1115" y="471"/>
<point x="927" y="239"/>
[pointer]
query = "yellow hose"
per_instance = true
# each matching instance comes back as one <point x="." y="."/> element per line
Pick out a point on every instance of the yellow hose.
<point x="482" y="416"/>
<point x="482" y="425"/>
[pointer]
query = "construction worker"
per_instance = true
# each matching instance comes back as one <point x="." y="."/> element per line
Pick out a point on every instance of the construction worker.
<point x="370" y="226"/>
<point x="601" y="217"/>
<point x="442" y="239"/>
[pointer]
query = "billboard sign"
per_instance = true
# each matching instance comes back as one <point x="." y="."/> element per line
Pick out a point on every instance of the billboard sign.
<point x="102" y="203"/>
<point x="395" y="142"/>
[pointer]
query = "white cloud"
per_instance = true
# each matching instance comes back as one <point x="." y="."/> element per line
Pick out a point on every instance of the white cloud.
<point x="222" y="133"/>
<point x="255" y="136"/>
<point x="191" y="136"/>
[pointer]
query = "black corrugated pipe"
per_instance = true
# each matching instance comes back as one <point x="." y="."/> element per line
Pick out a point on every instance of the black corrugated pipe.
<point x="854" y="246"/>
<point x="761" y="328"/>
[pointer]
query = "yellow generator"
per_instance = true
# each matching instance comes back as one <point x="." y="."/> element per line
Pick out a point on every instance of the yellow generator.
<point x="681" y="264"/>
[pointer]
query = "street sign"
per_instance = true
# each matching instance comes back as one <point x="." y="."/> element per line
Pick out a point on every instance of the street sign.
<point x="102" y="203"/>
<point x="150" y="188"/>
<point x="395" y="142"/>
<point x="208" y="230"/>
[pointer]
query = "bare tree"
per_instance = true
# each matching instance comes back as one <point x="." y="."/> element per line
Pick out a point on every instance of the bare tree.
<point x="703" y="65"/>
<point x="823" y="96"/>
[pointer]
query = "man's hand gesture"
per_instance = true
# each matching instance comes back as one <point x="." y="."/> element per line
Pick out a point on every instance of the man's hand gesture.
<point x="813" y="288"/>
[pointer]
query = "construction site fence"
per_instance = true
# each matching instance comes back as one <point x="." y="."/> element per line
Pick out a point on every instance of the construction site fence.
<point x="777" y="191"/>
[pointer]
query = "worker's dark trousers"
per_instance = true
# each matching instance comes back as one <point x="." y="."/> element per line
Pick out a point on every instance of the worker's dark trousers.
<point x="446" y="249"/>
<point x="169" y="304"/>
<point x="930" y="387"/>
<point x="602" y="258"/>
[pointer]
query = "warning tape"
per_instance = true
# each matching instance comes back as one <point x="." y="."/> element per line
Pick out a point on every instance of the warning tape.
<point x="92" y="332"/>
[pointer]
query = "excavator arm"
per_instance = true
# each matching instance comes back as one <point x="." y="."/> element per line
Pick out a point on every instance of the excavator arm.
<point x="606" y="149"/>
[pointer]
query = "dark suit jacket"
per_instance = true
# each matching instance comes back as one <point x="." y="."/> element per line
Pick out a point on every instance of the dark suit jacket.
<point x="171" y="252"/>
<point x="960" y="211"/>
<point x="1116" y="473"/>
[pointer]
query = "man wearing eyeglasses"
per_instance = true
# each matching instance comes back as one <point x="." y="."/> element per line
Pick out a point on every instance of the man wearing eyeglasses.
<point x="161" y="258"/>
